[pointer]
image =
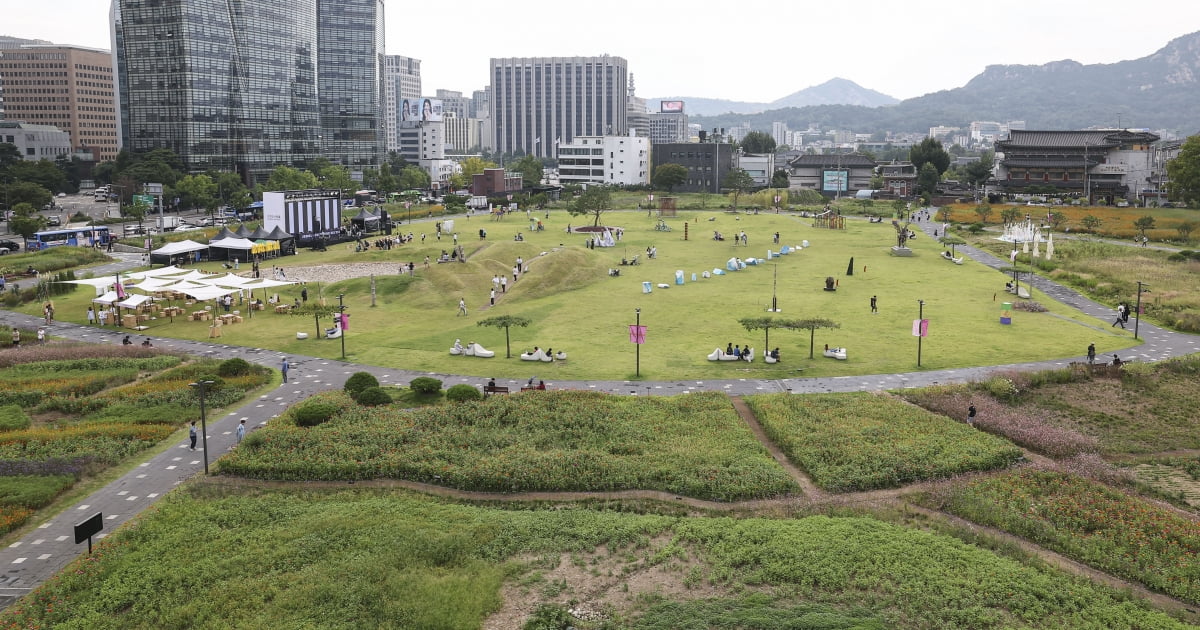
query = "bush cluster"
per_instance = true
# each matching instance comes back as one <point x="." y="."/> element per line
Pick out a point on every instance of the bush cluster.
<point x="313" y="412"/>
<point x="425" y="385"/>
<point x="13" y="418"/>
<point x="234" y="367"/>
<point x="358" y="382"/>
<point x="463" y="392"/>
<point x="373" y="397"/>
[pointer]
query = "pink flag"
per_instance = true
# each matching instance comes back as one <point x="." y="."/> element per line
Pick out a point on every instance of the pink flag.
<point x="345" y="321"/>
<point x="120" y="288"/>
<point x="637" y="334"/>
<point x="920" y="328"/>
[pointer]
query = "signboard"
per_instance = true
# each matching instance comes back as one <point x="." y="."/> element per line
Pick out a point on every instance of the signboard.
<point x="637" y="334"/>
<point x="153" y="189"/>
<point x="421" y="110"/>
<point x="920" y="328"/>
<point x="87" y="528"/>
<point x="670" y="107"/>
<point x="146" y="199"/>
<point x="834" y="180"/>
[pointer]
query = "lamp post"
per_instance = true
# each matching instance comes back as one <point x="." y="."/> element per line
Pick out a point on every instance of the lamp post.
<point x="342" y="323"/>
<point x="1142" y="286"/>
<point x="201" y="387"/>
<point x="637" y="365"/>
<point x="920" y="319"/>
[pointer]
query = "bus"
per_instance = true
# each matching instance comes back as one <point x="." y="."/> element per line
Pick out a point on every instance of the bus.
<point x="89" y="236"/>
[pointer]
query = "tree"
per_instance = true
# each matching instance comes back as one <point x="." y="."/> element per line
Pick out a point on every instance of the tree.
<point x="337" y="178"/>
<point x="1091" y="223"/>
<point x="290" y="178"/>
<point x="899" y="206"/>
<point x="230" y="189"/>
<point x="42" y="172"/>
<point x="866" y="204"/>
<point x="943" y="214"/>
<point x="413" y="177"/>
<point x="977" y="173"/>
<point x="812" y="325"/>
<point x="473" y="166"/>
<point x="1009" y="214"/>
<point x="1185" y="229"/>
<point x="137" y="210"/>
<point x="197" y="191"/>
<point x="505" y="322"/>
<point x="930" y="151"/>
<point x="927" y="179"/>
<point x="531" y="169"/>
<point x="765" y="324"/>
<point x="24" y="221"/>
<point x="26" y="192"/>
<point x="780" y="179"/>
<point x="1143" y="223"/>
<point x="1057" y="218"/>
<point x="1184" y="173"/>
<point x="951" y="241"/>
<point x="984" y="212"/>
<point x="595" y="200"/>
<point x="758" y="142"/>
<point x="668" y="176"/>
<point x="458" y="181"/>
<point x="737" y="181"/>
<point x="9" y="154"/>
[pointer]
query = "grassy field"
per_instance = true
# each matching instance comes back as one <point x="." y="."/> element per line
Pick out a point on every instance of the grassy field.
<point x="349" y="559"/>
<point x="576" y="307"/>
<point x="694" y="445"/>
<point x="863" y="441"/>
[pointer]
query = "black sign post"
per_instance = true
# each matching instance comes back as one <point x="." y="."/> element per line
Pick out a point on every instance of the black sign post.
<point x="87" y="528"/>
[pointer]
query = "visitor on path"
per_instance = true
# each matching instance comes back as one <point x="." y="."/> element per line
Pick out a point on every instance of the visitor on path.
<point x="495" y="281"/>
<point x="91" y="316"/>
<point x="462" y="307"/>
<point x="504" y="284"/>
<point x="874" y="304"/>
<point x="126" y="341"/>
<point x="146" y="343"/>
<point x="16" y="337"/>
<point x="241" y="431"/>
<point x="304" y="294"/>
<point x="971" y="415"/>
<point x="1116" y="361"/>
<point x="192" y="436"/>
<point x="493" y="297"/>
<point x="41" y="335"/>
<point x="1120" y="316"/>
<point x="1091" y="353"/>
<point x="284" y="367"/>
<point x="516" y="272"/>
<point x="1125" y="313"/>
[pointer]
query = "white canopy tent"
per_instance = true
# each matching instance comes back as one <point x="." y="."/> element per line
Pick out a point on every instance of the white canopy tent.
<point x="100" y="284"/>
<point x="206" y="292"/>
<point x="134" y="301"/>
<point x="233" y="243"/>
<point x="227" y="280"/>
<point x="179" y="247"/>
<point x="151" y="285"/>
<point x="107" y="298"/>
<point x="156" y="273"/>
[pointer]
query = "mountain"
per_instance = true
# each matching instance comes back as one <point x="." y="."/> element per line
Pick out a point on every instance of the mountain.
<point x="836" y="91"/>
<point x="1159" y="91"/>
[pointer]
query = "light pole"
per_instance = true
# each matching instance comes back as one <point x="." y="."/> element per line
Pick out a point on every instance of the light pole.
<point x="920" y="321"/>
<point x="1142" y="286"/>
<point x="342" y="323"/>
<point x="637" y="365"/>
<point x="202" y="386"/>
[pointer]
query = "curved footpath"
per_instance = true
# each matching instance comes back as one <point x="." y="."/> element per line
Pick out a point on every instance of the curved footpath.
<point x="50" y="546"/>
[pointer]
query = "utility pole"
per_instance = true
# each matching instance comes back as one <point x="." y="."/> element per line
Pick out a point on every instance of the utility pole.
<point x="1142" y="286"/>
<point x="342" y="323"/>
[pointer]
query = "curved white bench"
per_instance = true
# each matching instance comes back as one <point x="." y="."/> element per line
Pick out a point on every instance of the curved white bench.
<point x="836" y="353"/>
<point x="540" y="355"/>
<point x="302" y="335"/>
<point x="476" y="350"/>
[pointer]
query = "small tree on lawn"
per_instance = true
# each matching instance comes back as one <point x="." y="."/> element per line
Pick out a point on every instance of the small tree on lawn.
<point x="765" y="324"/>
<point x="669" y="176"/>
<point x="1143" y="223"/>
<point x="983" y="211"/>
<point x="1009" y="214"/>
<point x="317" y="311"/>
<point x="899" y="206"/>
<point x="505" y="322"/>
<point x="595" y="201"/>
<point x="812" y="325"/>
<point x="952" y="241"/>
<point x="1091" y="223"/>
<point x="1057" y="219"/>
<point x="944" y="214"/>
<point x="1185" y="229"/>
<point x="737" y="181"/>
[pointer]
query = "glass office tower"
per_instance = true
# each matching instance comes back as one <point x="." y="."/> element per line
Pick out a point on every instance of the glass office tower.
<point x="350" y="61"/>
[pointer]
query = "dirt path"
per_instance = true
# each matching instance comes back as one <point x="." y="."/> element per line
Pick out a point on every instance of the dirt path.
<point x="806" y="484"/>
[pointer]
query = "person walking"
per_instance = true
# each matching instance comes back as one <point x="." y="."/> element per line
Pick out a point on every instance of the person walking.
<point x="16" y="337"/>
<point x="241" y="431"/>
<point x="1120" y="316"/>
<point x="1091" y="353"/>
<point x="971" y="415"/>
<point x="462" y="307"/>
<point x="874" y="304"/>
<point x="304" y="294"/>
<point x="41" y="335"/>
<point x="192" y="436"/>
<point x="284" y="367"/>
<point x="504" y="284"/>
<point x="91" y="316"/>
<point x="493" y="297"/>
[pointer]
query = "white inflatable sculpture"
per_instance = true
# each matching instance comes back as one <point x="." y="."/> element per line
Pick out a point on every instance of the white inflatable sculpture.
<point x="476" y="350"/>
<point x="836" y="353"/>
<point x="536" y="355"/>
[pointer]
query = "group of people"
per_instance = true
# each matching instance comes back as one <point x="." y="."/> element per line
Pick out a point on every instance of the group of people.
<point x="129" y="342"/>
<point x="737" y="351"/>
<point x="1122" y="315"/>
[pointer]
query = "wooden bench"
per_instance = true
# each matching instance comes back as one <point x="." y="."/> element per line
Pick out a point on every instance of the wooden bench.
<point x="494" y="389"/>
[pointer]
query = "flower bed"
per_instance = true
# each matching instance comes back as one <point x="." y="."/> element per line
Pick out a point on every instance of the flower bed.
<point x="1090" y="522"/>
<point x="850" y="442"/>
<point x="694" y="445"/>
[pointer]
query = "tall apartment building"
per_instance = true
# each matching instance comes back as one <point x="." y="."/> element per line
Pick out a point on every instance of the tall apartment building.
<point x="401" y="80"/>
<point x="238" y="90"/>
<point x="68" y="87"/>
<point x="350" y="81"/>
<point x="538" y="101"/>
<point x="7" y="42"/>
<point x="781" y="134"/>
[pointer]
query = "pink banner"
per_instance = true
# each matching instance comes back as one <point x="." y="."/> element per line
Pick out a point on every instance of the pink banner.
<point x="637" y="334"/>
<point x="920" y="328"/>
<point x="345" y="321"/>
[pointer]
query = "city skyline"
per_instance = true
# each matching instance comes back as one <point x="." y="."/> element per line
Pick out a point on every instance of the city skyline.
<point x="763" y="52"/>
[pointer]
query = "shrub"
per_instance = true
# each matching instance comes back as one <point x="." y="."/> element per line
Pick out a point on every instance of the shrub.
<point x="234" y="367"/>
<point x="358" y="382"/>
<point x="313" y="412"/>
<point x="252" y="441"/>
<point x="12" y="418"/>
<point x="32" y="492"/>
<point x="463" y="392"/>
<point x="216" y="382"/>
<point x="374" y="397"/>
<point x="425" y="385"/>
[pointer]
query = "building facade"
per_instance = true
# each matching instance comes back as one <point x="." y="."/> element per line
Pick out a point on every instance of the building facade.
<point x="707" y="163"/>
<point x="453" y="101"/>
<point x="1103" y="164"/>
<point x="496" y="181"/>
<point x="760" y="167"/>
<point x="611" y="160"/>
<point x="67" y="87"/>
<point x="537" y="101"/>
<point x="401" y="80"/>
<point x="669" y="127"/>
<point x="350" y="79"/>
<point x="462" y="134"/>
<point x="831" y="175"/>
<point x="36" y="142"/>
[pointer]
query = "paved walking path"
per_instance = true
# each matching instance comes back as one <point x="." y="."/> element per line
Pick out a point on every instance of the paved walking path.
<point x="50" y="546"/>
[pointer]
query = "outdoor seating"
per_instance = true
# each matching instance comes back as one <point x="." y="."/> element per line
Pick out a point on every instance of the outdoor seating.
<point x="835" y="353"/>
<point x="476" y="350"/>
<point x="537" y="355"/>
<point x="283" y="308"/>
<point x="494" y="389"/>
<point x="301" y="335"/>
<point x="947" y="256"/>
<point x="720" y="355"/>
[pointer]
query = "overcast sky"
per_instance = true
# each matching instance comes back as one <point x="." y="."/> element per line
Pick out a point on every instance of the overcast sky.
<point x="750" y="50"/>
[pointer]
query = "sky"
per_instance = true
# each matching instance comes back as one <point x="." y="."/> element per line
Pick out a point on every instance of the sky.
<point x="751" y="50"/>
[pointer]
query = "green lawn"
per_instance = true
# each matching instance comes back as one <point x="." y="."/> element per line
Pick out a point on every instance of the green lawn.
<point x="576" y="307"/>
<point x="694" y="445"/>
<point x="212" y="557"/>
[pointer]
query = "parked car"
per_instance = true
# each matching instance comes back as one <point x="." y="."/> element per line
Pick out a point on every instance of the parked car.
<point x="53" y="219"/>
<point x="7" y="247"/>
<point x="183" y="227"/>
<point x="134" y="230"/>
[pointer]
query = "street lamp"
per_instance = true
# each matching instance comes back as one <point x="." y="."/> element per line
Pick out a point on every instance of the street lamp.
<point x="202" y="386"/>
<point x="342" y="323"/>
<point x="637" y="365"/>
<point x="920" y="321"/>
<point x="1142" y="286"/>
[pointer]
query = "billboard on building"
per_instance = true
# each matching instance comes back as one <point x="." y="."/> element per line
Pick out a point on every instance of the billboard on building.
<point x="834" y="180"/>
<point x="421" y="110"/>
<point x="670" y="107"/>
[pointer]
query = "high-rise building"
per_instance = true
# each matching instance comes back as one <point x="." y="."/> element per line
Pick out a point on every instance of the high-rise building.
<point x="237" y="90"/>
<point x="538" y="101"/>
<point x="637" y="115"/>
<point x="669" y="124"/>
<point x="780" y="134"/>
<point x="455" y="102"/>
<point x="68" y="87"/>
<point x="402" y="80"/>
<point x="7" y="42"/>
<point x="479" y="103"/>
<point x="350" y="81"/>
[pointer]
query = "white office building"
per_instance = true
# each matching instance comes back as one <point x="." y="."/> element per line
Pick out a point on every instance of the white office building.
<point x="612" y="160"/>
<point x="36" y="142"/>
<point x="401" y="80"/>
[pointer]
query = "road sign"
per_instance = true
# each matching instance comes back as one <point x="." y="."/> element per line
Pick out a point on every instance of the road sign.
<point x="146" y="199"/>
<point x="153" y="189"/>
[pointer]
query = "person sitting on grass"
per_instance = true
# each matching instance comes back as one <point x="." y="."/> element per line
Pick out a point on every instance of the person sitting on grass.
<point x="775" y="354"/>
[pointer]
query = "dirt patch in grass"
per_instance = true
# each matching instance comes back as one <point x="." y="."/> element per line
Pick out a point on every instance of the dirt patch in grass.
<point x="1171" y="480"/>
<point x="602" y="584"/>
